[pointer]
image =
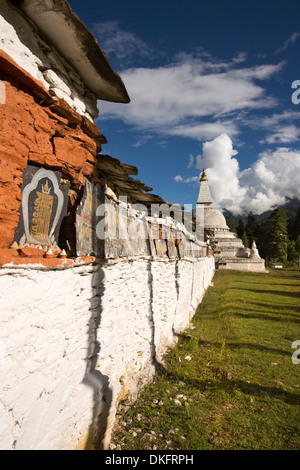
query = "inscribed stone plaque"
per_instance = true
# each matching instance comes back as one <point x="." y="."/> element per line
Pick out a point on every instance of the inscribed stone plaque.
<point x="197" y="250"/>
<point x="44" y="205"/>
<point x="151" y="245"/>
<point x="180" y="243"/>
<point x="161" y="247"/>
<point x="126" y="235"/>
<point x="172" y="250"/>
<point x="138" y="236"/>
<point x="87" y="241"/>
<point x="111" y="240"/>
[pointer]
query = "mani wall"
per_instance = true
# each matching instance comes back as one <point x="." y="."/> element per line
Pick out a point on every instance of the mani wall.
<point x="76" y="341"/>
<point x="93" y="290"/>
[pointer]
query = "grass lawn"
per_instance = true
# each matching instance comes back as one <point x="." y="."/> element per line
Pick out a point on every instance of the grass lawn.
<point x="230" y="383"/>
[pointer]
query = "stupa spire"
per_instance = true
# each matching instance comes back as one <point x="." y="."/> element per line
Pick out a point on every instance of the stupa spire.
<point x="204" y="196"/>
<point x="203" y="176"/>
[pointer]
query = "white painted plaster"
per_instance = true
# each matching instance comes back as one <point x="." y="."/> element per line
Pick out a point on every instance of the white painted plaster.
<point x="73" y="340"/>
<point x="21" y="40"/>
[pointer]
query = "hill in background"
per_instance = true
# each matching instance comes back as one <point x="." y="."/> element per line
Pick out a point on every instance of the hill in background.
<point x="291" y="208"/>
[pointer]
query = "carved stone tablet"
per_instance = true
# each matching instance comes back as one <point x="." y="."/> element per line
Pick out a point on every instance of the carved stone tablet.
<point x="87" y="241"/>
<point x="44" y="205"/>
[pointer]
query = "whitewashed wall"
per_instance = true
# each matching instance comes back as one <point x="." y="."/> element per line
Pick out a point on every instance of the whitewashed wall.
<point x="74" y="342"/>
<point x="21" y="40"/>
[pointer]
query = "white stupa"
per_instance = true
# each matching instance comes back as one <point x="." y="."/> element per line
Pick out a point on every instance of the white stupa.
<point x="229" y="251"/>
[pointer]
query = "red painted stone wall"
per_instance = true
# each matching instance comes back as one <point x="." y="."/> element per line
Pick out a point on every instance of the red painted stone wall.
<point x="38" y="129"/>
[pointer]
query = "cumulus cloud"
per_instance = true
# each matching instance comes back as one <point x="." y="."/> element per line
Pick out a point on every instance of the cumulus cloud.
<point x="265" y="185"/>
<point x="222" y="169"/>
<point x="271" y="179"/>
<point x="192" y="97"/>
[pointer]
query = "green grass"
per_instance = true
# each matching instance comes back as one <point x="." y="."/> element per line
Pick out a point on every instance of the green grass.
<point x="240" y="390"/>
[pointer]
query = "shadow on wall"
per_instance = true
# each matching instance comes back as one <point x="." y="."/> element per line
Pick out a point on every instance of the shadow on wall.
<point x="99" y="383"/>
<point x="93" y="378"/>
<point x="158" y="366"/>
<point x="177" y="275"/>
<point x="153" y="349"/>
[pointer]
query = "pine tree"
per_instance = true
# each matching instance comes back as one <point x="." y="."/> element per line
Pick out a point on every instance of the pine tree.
<point x="278" y="236"/>
<point x="240" y="228"/>
<point x="297" y="245"/>
<point x="231" y="223"/>
<point x="251" y="228"/>
<point x="297" y="249"/>
<point x="291" y="250"/>
<point x="245" y="240"/>
<point x="296" y="227"/>
<point x="263" y="238"/>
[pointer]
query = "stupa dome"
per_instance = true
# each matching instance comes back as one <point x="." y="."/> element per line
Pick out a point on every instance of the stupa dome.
<point x="214" y="219"/>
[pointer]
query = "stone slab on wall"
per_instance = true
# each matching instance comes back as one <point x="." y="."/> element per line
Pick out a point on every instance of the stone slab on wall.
<point x="87" y="241"/>
<point x="44" y="205"/>
<point x="73" y="342"/>
<point x="109" y="229"/>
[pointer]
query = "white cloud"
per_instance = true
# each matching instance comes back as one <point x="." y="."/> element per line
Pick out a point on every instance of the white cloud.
<point x="192" y="97"/>
<point x="121" y="43"/>
<point x="283" y="135"/>
<point x="178" y="178"/>
<point x="141" y="141"/>
<point x="206" y="130"/>
<point x="192" y="179"/>
<point x="222" y="169"/>
<point x="280" y="128"/>
<point x="266" y="184"/>
<point x="277" y="118"/>
<point x="191" y="161"/>
<point x="272" y="178"/>
<point x="288" y="42"/>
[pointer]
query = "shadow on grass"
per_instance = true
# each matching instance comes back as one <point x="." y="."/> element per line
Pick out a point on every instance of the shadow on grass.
<point x="249" y="314"/>
<point x="273" y="292"/>
<point x="272" y="306"/>
<point x="251" y="346"/>
<point x="232" y="386"/>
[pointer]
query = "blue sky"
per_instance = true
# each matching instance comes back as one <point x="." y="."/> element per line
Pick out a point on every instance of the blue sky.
<point x="210" y="85"/>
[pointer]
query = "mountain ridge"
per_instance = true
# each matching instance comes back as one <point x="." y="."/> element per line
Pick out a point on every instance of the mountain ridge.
<point x="291" y="207"/>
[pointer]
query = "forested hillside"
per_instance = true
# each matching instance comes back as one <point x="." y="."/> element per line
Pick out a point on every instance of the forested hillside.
<point x="277" y="235"/>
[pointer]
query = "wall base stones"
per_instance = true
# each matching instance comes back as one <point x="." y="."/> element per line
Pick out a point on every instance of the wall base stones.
<point x="76" y="341"/>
